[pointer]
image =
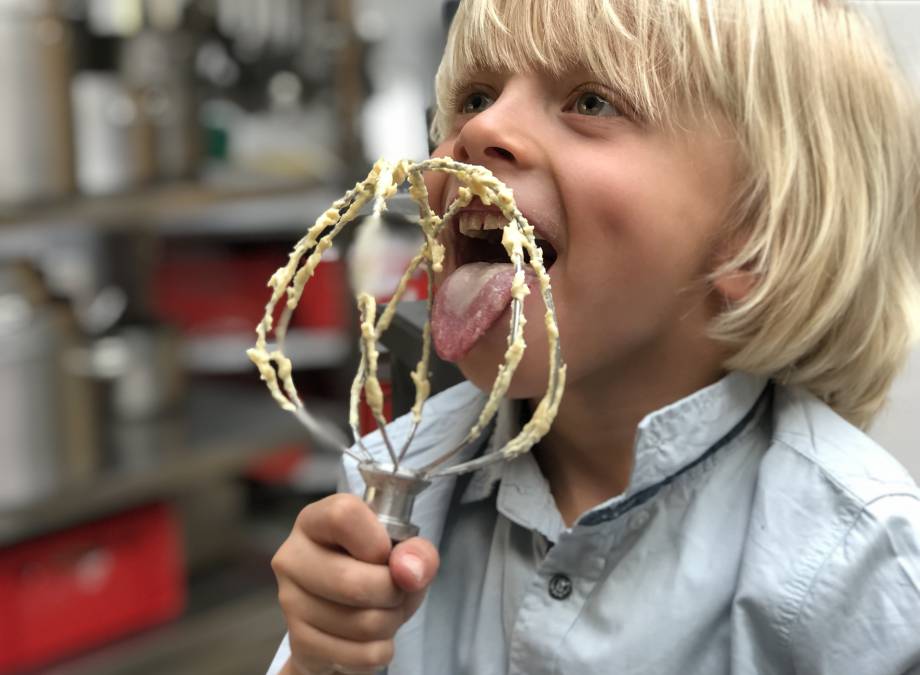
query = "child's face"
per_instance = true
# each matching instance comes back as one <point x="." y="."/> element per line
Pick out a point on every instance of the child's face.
<point x="633" y="213"/>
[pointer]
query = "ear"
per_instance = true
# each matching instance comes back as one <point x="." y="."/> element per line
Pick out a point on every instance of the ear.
<point x="735" y="286"/>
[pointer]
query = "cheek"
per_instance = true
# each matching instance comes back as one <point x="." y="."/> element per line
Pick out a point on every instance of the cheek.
<point x="436" y="181"/>
<point x="639" y="231"/>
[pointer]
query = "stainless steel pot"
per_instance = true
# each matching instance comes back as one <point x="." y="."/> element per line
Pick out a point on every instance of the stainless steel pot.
<point x="114" y="135"/>
<point x="159" y="65"/>
<point x="48" y="421"/>
<point x="141" y="371"/>
<point x="136" y="369"/>
<point x="36" y="161"/>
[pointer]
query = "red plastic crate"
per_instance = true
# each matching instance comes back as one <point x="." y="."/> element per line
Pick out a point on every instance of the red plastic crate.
<point x="325" y="296"/>
<point x="205" y="292"/>
<point x="279" y="466"/>
<point x="78" y="588"/>
<point x="366" y="421"/>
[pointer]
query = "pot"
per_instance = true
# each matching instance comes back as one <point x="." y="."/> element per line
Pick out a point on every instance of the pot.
<point x="48" y="421"/>
<point x="137" y="371"/>
<point x="35" y="131"/>
<point x="114" y="135"/>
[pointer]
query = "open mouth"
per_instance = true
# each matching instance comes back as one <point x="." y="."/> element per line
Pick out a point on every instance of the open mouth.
<point x="478" y="238"/>
<point x="477" y="292"/>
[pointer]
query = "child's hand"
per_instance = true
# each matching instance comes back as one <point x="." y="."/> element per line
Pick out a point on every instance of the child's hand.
<point x="343" y="592"/>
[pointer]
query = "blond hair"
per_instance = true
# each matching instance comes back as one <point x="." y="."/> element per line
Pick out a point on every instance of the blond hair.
<point x="829" y="205"/>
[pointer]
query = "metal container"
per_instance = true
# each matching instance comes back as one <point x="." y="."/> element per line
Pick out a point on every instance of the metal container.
<point x="114" y="135"/>
<point x="139" y="369"/>
<point x="48" y="421"/>
<point x="36" y="162"/>
<point x="159" y="65"/>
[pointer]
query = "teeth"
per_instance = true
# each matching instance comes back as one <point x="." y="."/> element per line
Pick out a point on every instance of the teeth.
<point x="493" y="222"/>
<point x="473" y="224"/>
<point x="476" y="224"/>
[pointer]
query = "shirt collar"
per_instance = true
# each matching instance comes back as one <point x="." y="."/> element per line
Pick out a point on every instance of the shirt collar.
<point x="672" y="437"/>
<point x="667" y="440"/>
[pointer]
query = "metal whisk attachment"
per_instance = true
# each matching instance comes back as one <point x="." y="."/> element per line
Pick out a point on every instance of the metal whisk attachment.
<point x="391" y="488"/>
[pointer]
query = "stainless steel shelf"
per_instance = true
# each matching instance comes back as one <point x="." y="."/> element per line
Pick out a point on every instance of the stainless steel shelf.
<point x="191" y="208"/>
<point x="227" y="353"/>
<point x="222" y="432"/>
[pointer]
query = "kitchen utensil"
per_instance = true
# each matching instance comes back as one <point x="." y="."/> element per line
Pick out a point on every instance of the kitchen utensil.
<point x="392" y="487"/>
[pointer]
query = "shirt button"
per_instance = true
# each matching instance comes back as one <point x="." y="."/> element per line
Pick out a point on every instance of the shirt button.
<point x="560" y="587"/>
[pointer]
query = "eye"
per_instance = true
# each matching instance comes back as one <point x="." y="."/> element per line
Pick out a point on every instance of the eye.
<point x="475" y="102"/>
<point x="590" y="103"/>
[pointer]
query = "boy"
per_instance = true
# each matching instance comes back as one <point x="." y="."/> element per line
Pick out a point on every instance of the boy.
<point x="728" y="189"/>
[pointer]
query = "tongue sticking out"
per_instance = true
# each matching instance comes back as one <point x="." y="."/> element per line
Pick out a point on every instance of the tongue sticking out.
<point x="468" y="302"/>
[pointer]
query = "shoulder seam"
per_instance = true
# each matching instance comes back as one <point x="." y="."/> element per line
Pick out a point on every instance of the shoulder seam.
<point x="831" y="477"/>
<point x="811" y="578"/>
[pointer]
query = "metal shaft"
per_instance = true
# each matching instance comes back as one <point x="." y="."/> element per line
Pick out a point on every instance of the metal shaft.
<point x="391" y="494"/>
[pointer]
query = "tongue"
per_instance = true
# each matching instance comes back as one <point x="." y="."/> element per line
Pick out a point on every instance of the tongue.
<point x="468" y="302"/>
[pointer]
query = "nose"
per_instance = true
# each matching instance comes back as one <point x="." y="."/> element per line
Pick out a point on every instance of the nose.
<point x="499" y="134"/>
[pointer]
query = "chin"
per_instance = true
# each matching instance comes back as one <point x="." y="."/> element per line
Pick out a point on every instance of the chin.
<point x="480" y="364"/>
<point x="523" y="385"/>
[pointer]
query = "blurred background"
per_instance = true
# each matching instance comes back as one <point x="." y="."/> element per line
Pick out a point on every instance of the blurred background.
<point x="158" y="159"/>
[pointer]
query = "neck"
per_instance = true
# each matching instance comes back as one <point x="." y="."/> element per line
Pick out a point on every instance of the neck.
<point x="588" y="454"/>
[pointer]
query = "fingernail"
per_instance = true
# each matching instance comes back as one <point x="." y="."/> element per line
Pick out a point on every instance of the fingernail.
<point x="415" y="566"/>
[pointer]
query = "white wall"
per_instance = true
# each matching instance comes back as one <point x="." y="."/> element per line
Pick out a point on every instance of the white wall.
<point x="898" y="427"/>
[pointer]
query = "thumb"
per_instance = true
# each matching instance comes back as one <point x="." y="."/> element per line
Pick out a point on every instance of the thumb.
<point x="413" y="564"/>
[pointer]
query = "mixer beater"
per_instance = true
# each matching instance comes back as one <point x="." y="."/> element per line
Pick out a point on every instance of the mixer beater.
<point x="391" y="487"/>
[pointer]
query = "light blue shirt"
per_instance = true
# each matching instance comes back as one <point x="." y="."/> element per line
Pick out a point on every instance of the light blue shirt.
<point x="760" y="533"/>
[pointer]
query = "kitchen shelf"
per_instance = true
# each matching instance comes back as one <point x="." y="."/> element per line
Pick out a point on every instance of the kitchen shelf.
<point x="186" y="208"/>
<point x="226" y="353"/>
<point x="222" y="432"/>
